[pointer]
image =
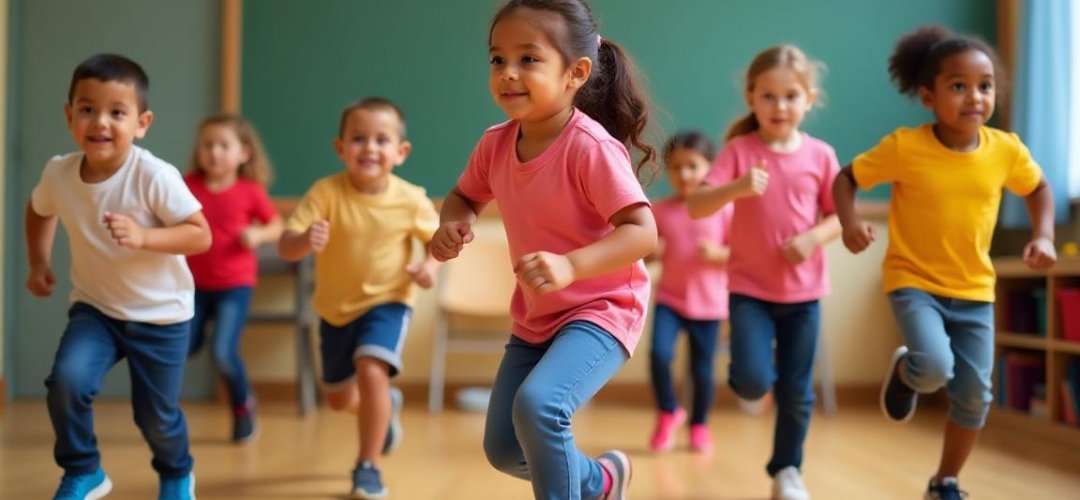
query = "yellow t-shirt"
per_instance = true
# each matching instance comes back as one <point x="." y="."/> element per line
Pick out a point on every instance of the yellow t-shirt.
<point x="371" y="242"/>
<point x="944" y="206"/>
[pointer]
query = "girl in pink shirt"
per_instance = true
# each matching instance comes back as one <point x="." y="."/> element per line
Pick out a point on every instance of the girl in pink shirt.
<point x="578" y="224"/>
<point x="229" y="173"/>
<point x="779" y="179"/>
<point x="692" y="294"/>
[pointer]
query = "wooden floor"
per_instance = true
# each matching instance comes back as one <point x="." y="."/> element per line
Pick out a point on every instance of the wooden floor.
<point x="853" y="456"/>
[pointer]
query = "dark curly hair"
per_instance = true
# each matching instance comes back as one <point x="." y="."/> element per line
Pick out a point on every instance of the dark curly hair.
<point x="917" y="58"/>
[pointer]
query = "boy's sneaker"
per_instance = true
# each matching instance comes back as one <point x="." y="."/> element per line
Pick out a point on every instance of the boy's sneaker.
<point x="897" y="399"/>
<point x="663" y="437"/>
<point x="617" y="464"/>
<point x="700" y="438"/>
<point x="367" y="482"/>
<point x="395" y="432"/>
<point x="177" y="488"/>
<point x="947" y="489"/>
<point x="83" y="486"/>
<point x="788" y="485"/>
<point x="244" y="429"/>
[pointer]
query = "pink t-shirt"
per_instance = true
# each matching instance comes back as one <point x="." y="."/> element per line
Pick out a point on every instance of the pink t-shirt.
<point x="558" y="202"/>
<point x="798" y="196"/>
<point x="695" y="289"/>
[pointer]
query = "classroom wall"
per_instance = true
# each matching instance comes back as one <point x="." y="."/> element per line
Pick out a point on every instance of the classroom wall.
<point x="4" y="188"/>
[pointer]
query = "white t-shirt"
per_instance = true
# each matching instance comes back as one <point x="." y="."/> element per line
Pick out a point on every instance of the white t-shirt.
<point x="125" y="284"/>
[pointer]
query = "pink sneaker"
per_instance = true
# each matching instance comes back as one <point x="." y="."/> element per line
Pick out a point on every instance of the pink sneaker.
<point x="700" y="438"/>
<point x="663" y="438"/>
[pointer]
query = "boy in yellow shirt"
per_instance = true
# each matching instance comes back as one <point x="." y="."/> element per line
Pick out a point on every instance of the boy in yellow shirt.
<point x="361" y="224"/>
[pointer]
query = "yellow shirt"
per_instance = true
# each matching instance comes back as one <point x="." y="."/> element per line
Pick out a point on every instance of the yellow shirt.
<point x="944" y="206"/>
<point x="371" y="242"/>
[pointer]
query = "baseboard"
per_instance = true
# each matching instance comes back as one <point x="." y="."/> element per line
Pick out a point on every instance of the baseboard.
<point x="3" y="394"/>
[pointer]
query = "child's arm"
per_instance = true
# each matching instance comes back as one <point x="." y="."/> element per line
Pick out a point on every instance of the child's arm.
<point x="295" y="245"/>
<point x="40" y="233"/>
<point x="801" y="247"/>
<point x="857" y="234"/>
<point x="708" y="200"/>
<point x="713" y="253"/>
<point x="188" y="237"/>
<point x="633" y="238"/>
<point x="256" y="235"/>
<point x="423" y="272"/>
<point x="455" y="225"/>
<point x="1039" y="253"/>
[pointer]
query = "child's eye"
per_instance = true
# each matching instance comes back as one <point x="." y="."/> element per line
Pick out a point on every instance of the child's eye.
<point x="383" y="140"/>
<point x="86" y="110"/>
<point x="985" y="87"/>
<point x="358" y="138"/>
<point x="959" y="87"/>
<point x="118" y="113"/>
<point x="495" y="61"/>
<point x="529" y="59"/>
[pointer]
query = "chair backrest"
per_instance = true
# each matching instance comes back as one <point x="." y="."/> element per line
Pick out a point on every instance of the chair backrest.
<point x="480" y="281"/>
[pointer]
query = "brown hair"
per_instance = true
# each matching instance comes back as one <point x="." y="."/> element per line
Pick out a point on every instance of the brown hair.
<point x="691" y="140"/>
<point x="258" y="167"/>
<point x="786" y="56"/>
<point x="373" y="103"/>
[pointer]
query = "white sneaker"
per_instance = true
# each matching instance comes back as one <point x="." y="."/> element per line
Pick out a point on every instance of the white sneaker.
<point x="788" y="485"/>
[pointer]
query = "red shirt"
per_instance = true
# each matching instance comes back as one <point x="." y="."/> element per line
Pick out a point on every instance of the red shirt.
<point x="228" y="263"/>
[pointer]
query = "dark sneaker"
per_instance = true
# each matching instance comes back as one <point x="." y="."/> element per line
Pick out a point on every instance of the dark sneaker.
<point x="618" y="465"/>
<point x="947" y="489"/>
<point x="244" y="429"/>
<point x="367" y="482"/>
<point x="395" y="432"/>
<point x="897" y="399"/>
<point x="83" y="486"/>
<point x="177" y="488"/>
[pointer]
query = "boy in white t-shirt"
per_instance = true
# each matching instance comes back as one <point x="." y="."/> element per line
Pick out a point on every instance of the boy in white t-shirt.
<point x="130" y="219"/>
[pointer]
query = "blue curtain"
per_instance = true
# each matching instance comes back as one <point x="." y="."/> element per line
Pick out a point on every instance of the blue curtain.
<point x="1040" y="101"/>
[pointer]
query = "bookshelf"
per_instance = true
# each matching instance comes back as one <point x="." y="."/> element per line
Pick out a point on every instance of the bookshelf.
<point x="1030" y="332"/>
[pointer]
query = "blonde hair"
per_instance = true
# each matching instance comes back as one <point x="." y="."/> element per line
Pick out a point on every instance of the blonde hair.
<point x="791" y="57"/>
<point x="258" y="167"/>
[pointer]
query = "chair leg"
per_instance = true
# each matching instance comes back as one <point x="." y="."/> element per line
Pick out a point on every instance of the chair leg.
<point x="437" y="379"/>
<point x="825" y="376"/>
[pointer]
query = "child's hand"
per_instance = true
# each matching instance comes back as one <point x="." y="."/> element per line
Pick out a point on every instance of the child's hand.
<point x="544" y="271"/>
<point x="422" y="273"/>
<point x="711" y="251"/>
<point x="754" y="182"/>
<point x="125" y="231"/>
<point x="449" y="239"/>
<point x="317" y="235"/>
<point x="858" y="236"/>
<point x="249" y="238"/>
<point x="40" y="281"/>
<point x="800" y="248"/>
<point x="1039" y="254"/>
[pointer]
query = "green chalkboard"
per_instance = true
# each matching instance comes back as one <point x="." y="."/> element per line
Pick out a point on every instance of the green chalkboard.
<point x="304" y="61"/>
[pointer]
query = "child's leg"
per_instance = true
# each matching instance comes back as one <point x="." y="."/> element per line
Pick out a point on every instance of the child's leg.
<point x="703" y="336"/>
<point x="86" y="352"/>
<point x="232" y="311"/>
<point x="157" y="355"/>
<point x="373" y="381"/>
<point x="970" y="326"/>
<point x="797" y="328"/>
<point x="661" y="353"/>
<point x="501" y="444"/>
<point x="751" y="373"/>
<point x="205" y="308"/>
<point x="581" y="359"/>
<point x="928" y="365"/>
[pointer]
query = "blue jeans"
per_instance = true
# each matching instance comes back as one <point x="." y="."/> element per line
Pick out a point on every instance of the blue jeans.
<point x="228" y="309"/>
<point x="702" y="335"/>
<point x="92" y="343"/>
<point x="950" y="344"/>
<point x="538" y="389"/>
<point x="756" y="367"/>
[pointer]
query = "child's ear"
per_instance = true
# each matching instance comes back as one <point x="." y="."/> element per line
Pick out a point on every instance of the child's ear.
<point x="926" y="97"/>
<point x="338" y="145"/>
<point x="404" y="148"/>
<point x="811" y="98"/>
<point x="144" y="121"/>
<point x="580" y="69"/>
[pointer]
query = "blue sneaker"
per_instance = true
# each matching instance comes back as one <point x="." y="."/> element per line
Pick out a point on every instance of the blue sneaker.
<point x="947" y="489"/>
<point x="395" y="432"/>
<point x="367" y="482"/>
<point x="897" y="399"/>
<point x="83" y="486"/>
<point x="617" y="464"/>
<point x="177" y="488"/>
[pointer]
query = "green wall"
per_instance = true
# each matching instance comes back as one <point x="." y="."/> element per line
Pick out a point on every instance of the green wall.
<point x="177" y="43"/>
<point x="302" y="65"/>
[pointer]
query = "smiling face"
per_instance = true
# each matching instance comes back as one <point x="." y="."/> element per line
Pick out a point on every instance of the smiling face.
<point x="779" y="100"/>
<point x="104" y="121"/>
<point x="221" y="153"/>
<point x="529" y="78"/>
<point x="370" y="146"/>
<point x="964" y="93"/>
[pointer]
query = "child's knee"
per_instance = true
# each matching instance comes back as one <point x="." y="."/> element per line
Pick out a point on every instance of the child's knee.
<point x="970" y="410"/>
<point x="750" y="385"/>
<point x="929" y="371"/>
<point x="344" y="397"/>
<point x="71" y="380"/>
<point x="535" y="407"/>
<point x="369" y="368"/>
<point x="503" y="454"/>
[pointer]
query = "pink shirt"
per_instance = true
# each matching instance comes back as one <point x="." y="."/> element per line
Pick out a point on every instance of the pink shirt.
<point x="695" y="289"/>
<point x="798" y="196"/>
<point x="558" y="202"/>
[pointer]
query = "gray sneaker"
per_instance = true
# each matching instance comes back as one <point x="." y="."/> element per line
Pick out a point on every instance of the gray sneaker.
<point x="367" y="482"/>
